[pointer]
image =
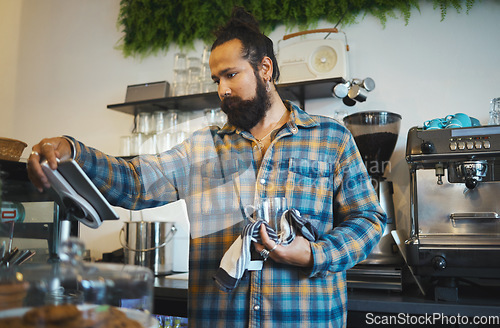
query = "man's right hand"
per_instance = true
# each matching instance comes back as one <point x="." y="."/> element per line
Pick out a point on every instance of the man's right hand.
<point x="50" y="149"/>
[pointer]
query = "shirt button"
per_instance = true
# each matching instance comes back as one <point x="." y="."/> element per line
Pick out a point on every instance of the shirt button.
<point x="294" y="129"/>
<point x="262" y="181"/>
<point x="256" y="307"/>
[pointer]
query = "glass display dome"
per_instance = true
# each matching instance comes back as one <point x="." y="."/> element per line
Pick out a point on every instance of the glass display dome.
<point x="91" y="291"/>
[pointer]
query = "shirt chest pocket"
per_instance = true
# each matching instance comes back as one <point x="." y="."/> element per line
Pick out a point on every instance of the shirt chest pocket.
<point x="218" y="192"/>
<point x="310" y="185"/>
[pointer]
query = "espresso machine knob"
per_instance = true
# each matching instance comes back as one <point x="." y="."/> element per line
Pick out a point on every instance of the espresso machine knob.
<point x="439" y="263"/>
<point x="427" y="147"/>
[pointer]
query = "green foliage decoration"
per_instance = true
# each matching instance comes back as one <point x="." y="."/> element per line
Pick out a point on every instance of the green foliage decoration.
<point x="151" y="26"/>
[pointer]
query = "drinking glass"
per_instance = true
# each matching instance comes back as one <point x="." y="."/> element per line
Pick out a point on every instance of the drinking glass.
<point x="185" y="118"/>
<point x="136" y="141"/>
<point x="144" y="123"/>
<point x="172" y="120"/>
<point x="206" y="82"/>
<point x="194" y="80"/>
<point x="181" y="76"/>
<point x="193" y="88"/>
<point x="179" y="89"/>
<point x="215" y="116"/>
<point x="271" y="210"/>
<point x="159" y="120"/>
<point x="206" y="73"/>
<point x="210" y="116"/>
<point x="221" y="118"/>
<point x="164" y="141"/>
<point x="180" y="61"/>
<point x="125" y="146"/>
<point x="206" y="55"/>
<point x="194" y="62"/>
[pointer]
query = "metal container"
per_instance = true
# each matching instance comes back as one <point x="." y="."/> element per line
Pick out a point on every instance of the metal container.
<point x="148" y="244"/>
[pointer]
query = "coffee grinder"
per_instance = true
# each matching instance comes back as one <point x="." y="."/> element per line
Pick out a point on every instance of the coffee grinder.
<point x="376" y="134"/>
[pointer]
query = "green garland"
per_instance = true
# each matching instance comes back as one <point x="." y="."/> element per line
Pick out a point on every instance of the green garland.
<point x="151" y="26"/>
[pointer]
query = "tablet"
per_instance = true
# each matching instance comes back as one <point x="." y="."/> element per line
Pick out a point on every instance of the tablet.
<point x="79" y="196"/>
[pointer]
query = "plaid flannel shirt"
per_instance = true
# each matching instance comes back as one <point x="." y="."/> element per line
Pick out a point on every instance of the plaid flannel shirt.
<point x="313" y="161"/>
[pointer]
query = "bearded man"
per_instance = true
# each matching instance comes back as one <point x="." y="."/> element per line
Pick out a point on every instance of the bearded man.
<point x="268" y="148"/>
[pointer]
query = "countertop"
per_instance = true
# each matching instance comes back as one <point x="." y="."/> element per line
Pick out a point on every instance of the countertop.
<point x="173" y="286"/>
<point x="171" y="294"/>
<point x="413" y="302"/>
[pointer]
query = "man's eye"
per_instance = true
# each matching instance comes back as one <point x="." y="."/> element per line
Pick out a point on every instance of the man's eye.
<point x="230" y="75"/>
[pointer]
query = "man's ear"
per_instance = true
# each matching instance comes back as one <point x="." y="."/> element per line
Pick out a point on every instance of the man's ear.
<point x="266" y="69"/>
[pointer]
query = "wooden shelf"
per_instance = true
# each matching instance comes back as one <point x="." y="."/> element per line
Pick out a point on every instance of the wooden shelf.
<point x="299" y="92"/>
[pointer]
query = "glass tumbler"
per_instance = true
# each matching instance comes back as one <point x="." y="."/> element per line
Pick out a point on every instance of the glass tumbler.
<point x="159" y="120"/>
<point x="144" y="123"/>
<point x="210" y="115"/>
<point x="125" y="143"/>
<point x="179" y="89"/>
<point x="221" y="118"/>
<point x="194" y="80"/>
<point x="193" y="62"/>
<point x="271" y="210"/>
<point x="206" y="55"/>
<point x="180" y="76"/>
<point x="136" y="141"/>
<point x="180" y="61"/>
<point x="172" y="119"/>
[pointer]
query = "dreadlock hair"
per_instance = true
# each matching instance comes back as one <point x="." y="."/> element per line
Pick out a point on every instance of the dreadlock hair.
<point x="244" y="27"/>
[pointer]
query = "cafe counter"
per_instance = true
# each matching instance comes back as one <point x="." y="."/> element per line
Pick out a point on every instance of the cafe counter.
<point x="364" y="305"/>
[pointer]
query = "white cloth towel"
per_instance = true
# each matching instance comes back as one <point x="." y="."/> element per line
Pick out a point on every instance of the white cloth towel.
<point x="237" y="258"/>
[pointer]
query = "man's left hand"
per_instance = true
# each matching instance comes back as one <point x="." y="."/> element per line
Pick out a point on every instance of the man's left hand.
<point x="297" y="253"/>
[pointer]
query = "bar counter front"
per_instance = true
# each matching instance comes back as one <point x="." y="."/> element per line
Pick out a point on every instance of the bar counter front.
<point x="372" y="307"/>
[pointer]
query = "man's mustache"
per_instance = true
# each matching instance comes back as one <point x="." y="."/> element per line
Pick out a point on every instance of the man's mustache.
<point x="231" y="100"/>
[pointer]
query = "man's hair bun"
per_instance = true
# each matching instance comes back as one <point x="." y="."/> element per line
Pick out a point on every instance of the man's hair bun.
<point x="243" y="26"/>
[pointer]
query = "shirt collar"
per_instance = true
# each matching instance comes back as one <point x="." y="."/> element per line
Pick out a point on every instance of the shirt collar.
<point x="298" y="118"/>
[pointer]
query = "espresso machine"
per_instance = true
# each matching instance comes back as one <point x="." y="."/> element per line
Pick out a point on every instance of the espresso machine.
<point x="454" y="242"/>
<point x="376" y="134"/>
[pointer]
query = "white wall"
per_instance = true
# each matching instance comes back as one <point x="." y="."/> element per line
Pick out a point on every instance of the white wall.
<point x="10" y="14"/>
<point x="63" y="69"/>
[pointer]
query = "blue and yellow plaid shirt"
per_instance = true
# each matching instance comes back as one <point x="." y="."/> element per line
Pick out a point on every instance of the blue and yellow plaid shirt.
<point x="313" y="161"/>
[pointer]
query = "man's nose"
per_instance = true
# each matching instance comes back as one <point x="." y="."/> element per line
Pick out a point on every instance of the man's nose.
<point x="224" y="91"/>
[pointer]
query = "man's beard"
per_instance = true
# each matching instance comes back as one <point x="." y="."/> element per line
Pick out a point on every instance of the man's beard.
<point x="245" y="114"/>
